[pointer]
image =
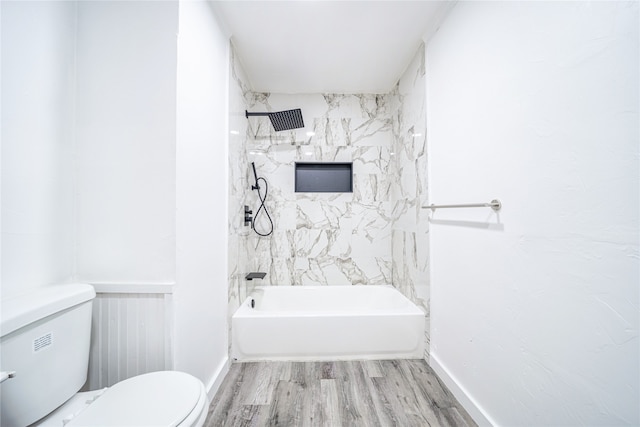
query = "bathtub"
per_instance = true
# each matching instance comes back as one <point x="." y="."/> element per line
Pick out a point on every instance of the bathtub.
<point x="327" y="323"/>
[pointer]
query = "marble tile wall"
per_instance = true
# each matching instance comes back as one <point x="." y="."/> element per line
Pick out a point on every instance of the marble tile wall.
<point x="238" y="258"/>
<point x="410" y="227"/>
<point x="324" y="238"/>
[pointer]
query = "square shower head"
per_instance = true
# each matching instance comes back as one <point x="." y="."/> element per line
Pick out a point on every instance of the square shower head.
<point x="287" y="120"/>
<point x="283" y="120"/>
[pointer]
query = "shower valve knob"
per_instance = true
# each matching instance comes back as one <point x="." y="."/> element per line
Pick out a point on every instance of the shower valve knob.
<point x="247" y="216"/>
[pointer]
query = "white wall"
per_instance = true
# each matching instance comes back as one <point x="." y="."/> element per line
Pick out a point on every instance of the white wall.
<point x="126" y="131"/>
<point x="37" y="144"/>
<point x="535" y="309"/>
<point x="90" y="174"/>
<point x="202" y="189"/>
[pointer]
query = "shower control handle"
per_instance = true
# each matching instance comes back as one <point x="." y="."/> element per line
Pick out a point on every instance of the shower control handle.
<point x="248" y="220"/>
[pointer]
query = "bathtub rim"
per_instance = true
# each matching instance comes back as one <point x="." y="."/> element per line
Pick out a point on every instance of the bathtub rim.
<point x="245" y="309"/>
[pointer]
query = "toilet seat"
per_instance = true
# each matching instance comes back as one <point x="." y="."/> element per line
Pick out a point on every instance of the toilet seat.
<point x="166" y="398"/>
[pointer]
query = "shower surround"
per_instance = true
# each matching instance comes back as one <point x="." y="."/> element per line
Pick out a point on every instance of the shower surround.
<point x="325" y="238"/>
<point x="375" y="235"/>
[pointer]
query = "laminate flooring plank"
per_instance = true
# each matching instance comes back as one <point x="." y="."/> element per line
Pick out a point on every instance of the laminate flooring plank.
<point x="304" y="372"/>
<point x="307" y="375"/>
<point x="426" y="382"/>
<point x="454" y="418"/>
<point x="380" y="410"/>
<point x="286" y="407"/>
<point x="424" y="379"/>
<point x="249" y="416"/>
<point x="315" y="371"/>
<point x="248" y="382"/>
<point x="312" y="415"/>
<point x="315" y="414"/>
<point x="225" y="402"/>
<point x="327" y="370"/>
<point x="330" y="404"/>
<point x="418" y="410"/>
<point x="262" y="386"/>
<point x="247" y="387"/>
<point x="361" y="395"/>
<point x="233" y="377"/>
<point x="389" y="410"/>
<point x="382" y="404"/>
<point x="356" y="407"/>
<point x="421" y="383"/>
<point x="372" y="368"/>
<point x="349" y="412"/>
<point x="281" y="370"/>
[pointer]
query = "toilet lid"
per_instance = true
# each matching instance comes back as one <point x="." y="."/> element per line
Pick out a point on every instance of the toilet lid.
<point x="156" y="399"/>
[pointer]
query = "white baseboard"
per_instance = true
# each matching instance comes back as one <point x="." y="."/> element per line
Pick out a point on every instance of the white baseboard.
<point x="475" y="411"/>
<point x="218" y="377"/>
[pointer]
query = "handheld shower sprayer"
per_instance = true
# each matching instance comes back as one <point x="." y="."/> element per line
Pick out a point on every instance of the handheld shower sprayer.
<point x="255" y="175"/>
<point x="262" y="200"/>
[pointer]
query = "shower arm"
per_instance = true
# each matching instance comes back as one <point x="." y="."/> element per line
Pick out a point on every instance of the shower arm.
<point x="248" y="114"/>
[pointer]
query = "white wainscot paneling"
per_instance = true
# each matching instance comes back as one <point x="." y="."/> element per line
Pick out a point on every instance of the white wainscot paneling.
<point x="131" y="335"/>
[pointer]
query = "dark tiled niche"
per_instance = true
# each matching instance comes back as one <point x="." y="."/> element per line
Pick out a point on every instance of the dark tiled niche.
<point x="314" y="177"/>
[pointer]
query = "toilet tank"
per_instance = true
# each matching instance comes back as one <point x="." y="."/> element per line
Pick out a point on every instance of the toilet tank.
<point x="44" y="337"/>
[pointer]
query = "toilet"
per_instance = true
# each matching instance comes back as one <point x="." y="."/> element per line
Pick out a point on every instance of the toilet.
<point x="44" y="358"/>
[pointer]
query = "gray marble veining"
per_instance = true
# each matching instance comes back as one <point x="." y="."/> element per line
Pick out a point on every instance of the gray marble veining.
<point x="333" y="239"/>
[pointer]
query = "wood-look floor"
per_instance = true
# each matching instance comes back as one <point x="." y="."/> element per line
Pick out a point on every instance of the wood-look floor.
<point x="334" y="394"/>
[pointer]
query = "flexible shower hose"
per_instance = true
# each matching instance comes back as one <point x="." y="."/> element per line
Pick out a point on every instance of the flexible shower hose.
<point x="262" y="208"/>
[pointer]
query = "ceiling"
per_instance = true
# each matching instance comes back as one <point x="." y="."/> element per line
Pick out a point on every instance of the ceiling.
<point x="327" y="46"/>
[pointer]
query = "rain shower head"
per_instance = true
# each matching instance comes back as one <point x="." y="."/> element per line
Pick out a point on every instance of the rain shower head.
<point x="283" y="120"/>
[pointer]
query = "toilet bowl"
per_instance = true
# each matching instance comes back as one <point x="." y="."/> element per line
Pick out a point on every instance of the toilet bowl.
<point x="44" y="345"/>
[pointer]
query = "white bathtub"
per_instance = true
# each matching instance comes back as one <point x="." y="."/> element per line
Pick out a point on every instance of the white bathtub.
<point x="327" y="323"/>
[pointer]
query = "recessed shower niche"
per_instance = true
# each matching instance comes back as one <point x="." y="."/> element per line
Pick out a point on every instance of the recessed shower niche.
<point x="314" y="177"/>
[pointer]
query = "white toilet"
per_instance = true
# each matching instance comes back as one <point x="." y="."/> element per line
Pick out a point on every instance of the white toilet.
<point x="44" y="356"/>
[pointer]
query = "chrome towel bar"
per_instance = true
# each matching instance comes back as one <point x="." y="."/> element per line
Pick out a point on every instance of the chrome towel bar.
<point x="494" y="204"/>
